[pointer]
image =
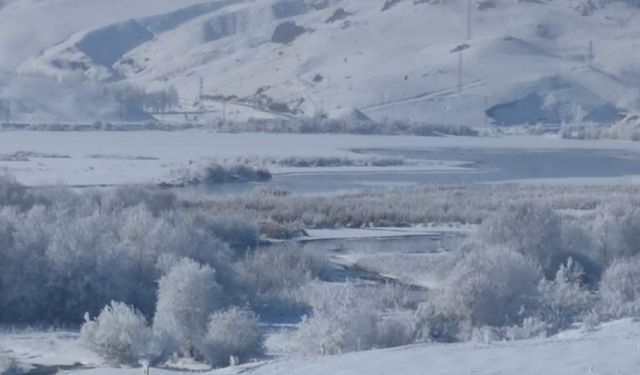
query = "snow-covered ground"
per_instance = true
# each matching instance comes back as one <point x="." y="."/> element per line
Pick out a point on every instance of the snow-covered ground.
<point x="614" y="348"/>
<point x="46" y="348"/>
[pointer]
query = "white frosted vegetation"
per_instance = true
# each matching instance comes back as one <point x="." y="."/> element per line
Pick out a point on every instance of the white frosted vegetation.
<point x="232" y="336"/>
<point x="120" y="334"/>
<point x="190" y="267"/>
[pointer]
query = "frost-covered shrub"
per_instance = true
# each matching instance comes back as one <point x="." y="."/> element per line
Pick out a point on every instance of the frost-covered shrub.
<point x="65" y="252"/>
<point x="157" y="201"/>
<point x="396" y="328"/>
<point x="345" y="319"/>
<point x="211" y="174"/>
<point x="281" y="231"/>
<point x="277" y="269"/>
<point x="434" y="324"/>
<point x="490" y="286"/>
<point x="232" y="336"/>
<point x="187" y="295"/>
<point x="238" y="232"/>
<point x="564" y="299"/>
<point x="348" y="126"/>
<point x="531" y="230"/>
<point x="616" y="232"/>
<point x="529" y="328"/>
<point x="12" y="193"/>
<point x="119" y="334"/>
<point x="620" y="288"/>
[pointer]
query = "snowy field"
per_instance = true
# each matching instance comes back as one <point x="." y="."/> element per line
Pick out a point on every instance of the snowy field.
<point x="613" y="348"/>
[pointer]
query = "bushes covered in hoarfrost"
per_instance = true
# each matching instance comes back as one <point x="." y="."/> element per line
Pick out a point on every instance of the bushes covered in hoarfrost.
<point x="533" y="269"/>
<point x="189" y="321"/>
<point x="526" y="228"/>
<point x="565" y="299"/>
<point x="66" y="252"/>
<point x="416" y="205"/>
<point x="320" y="126"/>
<point x="498" y="280"/>
<point x="187" y="295"/>
<point x="490" y="286"/>
<point x="211" y="174"/>
<point x="350" y="318"/>
<point x="120" y="334"/>
<point x="232" y="336"/>
<point x="620" y="288"/>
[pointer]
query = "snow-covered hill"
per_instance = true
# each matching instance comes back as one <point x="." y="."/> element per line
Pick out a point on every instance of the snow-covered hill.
<point x="520" y="62"/>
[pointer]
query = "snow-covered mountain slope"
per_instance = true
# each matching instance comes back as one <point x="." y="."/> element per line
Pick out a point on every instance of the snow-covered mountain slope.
<point x="520" y="62"/>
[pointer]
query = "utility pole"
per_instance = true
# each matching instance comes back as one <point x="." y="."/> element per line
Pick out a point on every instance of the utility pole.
<point x="224" y="109"/>
<point x="459" y="50"/>
<point x="460" y="72"/>
<point x="469" y="19"/>
<point x="7" y="111"/>
<point x="201" y="91"/>
<point x="484" y="111"/>
<point x="590" y="55"/>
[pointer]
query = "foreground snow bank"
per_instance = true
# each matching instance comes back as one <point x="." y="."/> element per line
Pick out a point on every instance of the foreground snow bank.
<point x="614" y="348"/>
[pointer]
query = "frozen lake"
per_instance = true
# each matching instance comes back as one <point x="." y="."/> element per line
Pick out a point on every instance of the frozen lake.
<point x="485" y="165"/>
<point x="147" y="157"/>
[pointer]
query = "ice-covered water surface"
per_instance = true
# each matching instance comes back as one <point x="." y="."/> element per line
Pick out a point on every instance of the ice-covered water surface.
<point x="485" y="165"/>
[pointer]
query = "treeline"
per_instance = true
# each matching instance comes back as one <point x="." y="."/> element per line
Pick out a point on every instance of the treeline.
<point x="67" y="254"/>
<point x="313" y="125"/>
<point x="159" y="101"/>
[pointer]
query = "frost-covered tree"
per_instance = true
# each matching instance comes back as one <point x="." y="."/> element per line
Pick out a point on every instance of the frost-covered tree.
<point x="620" y="288"/>
<point x="277" y="269"/>
<point x="565" y="299"/>
<point x="120" y="334"/>
<point x="491" y="286"/>
<point x="233" y="336"/>
<point x="531" y="230"/>
<point x="349" y="318"/>
<point x="187" y="295"/>
<point x="616" y="232"/>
